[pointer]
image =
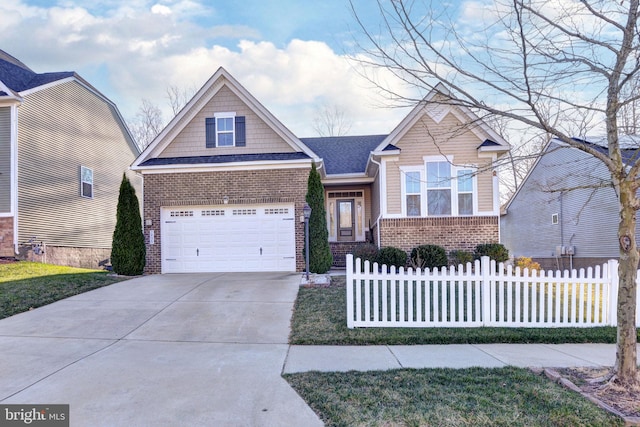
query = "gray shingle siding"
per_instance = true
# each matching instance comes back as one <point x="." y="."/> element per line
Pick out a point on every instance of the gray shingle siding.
<point x="60" y="129"/>
<point x="588" y="217"/>
<point x="5" y="159"/>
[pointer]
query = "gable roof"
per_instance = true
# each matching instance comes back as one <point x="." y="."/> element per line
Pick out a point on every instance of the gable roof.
<point x="18" y="77"/>
<point x="492" y="141"/>
<point x="344" y="154"/>
<point x="17" y="80"/>
<point x="221" y="78"/>
<point x="629" y="151"/>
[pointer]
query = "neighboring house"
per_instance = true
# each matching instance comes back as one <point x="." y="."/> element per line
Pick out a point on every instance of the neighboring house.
<point x="63" y="150"/>
<point x="225" y="184"/>
<point x="565" y="213"/>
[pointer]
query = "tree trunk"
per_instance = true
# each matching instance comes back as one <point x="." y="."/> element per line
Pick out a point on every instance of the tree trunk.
<point x="626" y="368"/>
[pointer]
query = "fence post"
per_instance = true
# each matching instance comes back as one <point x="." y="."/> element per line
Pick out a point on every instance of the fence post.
<point x="485" y="270"/>
<point x="614" y="283"/>
<point x="350" y="280"/>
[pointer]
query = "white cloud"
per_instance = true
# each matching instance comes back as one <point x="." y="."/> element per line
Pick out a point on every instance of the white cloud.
<point x="138" y="49"/>
<point x="160" y="9"/>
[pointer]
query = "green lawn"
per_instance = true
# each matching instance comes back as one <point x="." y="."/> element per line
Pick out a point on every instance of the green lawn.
<point x="445" y="397"/>
<point x="25" y="285"/>
<point x="320" y="319"/>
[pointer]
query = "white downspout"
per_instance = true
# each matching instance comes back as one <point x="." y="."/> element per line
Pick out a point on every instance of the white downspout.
<point x="377" y="222"/>
<point x="14" y="175"/>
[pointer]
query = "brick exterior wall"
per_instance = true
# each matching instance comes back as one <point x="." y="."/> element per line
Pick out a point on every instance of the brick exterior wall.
<point x="208" y="188"/>
<point x="452" y="233"/>
<point x="6" y="237"/>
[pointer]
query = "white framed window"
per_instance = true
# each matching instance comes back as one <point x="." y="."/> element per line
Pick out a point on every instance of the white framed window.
<point x="225" y="129"/>
<point x="412" y="187"/>
<point x="86" y="182"/>
<point x="439" y="188"/>
<point x="466" y="184"/>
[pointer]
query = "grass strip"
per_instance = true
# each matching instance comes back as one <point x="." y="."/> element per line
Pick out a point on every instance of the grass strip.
<point x="26" y="285"/>
<point x="445" y="397"/>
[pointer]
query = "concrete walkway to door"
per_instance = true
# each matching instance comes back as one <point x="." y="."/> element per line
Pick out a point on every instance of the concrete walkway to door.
<point x="163" y="350"/>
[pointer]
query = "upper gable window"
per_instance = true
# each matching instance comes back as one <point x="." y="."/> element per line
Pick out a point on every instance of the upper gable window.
<point x="86" y="182"/>
<point x="225" y="130"/>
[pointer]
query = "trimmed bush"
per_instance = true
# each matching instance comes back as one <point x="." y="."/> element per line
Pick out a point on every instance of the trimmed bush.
<point x="392" y="256"/>
<point x="428" y="256"/>
<point x="460" y="257"/>
<point x="128" y="249"/>
<point x="495" y="251"/>
<point x="366" y="252"/>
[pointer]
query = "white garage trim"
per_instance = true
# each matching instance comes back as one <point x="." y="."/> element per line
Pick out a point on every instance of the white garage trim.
<point x="228" y="238"/>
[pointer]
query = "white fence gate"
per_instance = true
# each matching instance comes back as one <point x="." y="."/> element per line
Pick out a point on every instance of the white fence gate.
<point x="480" y="294"/>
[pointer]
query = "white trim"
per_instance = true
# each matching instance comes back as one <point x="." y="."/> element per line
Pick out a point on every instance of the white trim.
<point x="240" y="166"/>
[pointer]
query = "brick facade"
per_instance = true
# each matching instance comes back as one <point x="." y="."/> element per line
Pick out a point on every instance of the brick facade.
<point x="6" y="237"/>
<point x="339" y="250"/>
<point x="452" y="233"/>
<point x="270" y="186"/>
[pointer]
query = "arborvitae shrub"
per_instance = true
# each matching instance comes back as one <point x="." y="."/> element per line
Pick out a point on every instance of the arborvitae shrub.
<point x="128" y="249"/>
<point x="320" y="257"/>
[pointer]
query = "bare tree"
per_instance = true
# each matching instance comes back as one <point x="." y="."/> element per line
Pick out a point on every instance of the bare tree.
<point x="577" y="57"/>
<point x="331" y="120"/>
<point x="146" y="124"/>
<point x="178" y="97"/>
<point x="148" y="121"/>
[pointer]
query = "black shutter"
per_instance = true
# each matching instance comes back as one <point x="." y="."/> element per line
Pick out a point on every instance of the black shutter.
<point x="210" y="126"/>
<point x="241" y="137"/>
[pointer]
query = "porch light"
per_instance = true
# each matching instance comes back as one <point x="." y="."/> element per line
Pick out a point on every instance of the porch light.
<point x="306" y="212"/>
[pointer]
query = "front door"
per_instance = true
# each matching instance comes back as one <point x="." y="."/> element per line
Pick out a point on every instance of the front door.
<point x="346" y="220"/>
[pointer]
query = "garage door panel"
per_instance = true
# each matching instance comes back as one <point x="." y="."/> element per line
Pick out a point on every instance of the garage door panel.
<point x="228" y="238"/>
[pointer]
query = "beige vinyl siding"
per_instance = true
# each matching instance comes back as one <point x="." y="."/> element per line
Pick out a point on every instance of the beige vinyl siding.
<point x="5" y="159"/>
<point x="450" y="138"/>
<point x="60" y="129"/>
<point x="260" y="137"/>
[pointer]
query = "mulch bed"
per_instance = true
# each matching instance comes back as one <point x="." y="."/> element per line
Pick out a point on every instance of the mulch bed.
<point x="593" y="384"/>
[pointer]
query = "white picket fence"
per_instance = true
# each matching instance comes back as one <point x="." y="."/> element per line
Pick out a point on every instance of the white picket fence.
<point x="480" y="294"/>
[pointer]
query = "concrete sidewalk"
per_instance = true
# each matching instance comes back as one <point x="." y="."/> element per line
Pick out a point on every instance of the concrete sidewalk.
<point x="381" y="357"/>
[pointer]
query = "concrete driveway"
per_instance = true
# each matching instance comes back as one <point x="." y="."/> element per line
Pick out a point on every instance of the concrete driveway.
<point x="164" y="350"/>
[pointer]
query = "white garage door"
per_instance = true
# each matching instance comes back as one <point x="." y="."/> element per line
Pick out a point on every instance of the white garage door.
<point x="228" y="238"/>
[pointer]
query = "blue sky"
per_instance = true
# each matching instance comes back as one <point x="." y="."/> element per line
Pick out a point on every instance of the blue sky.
<point x="291" y="55"/>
